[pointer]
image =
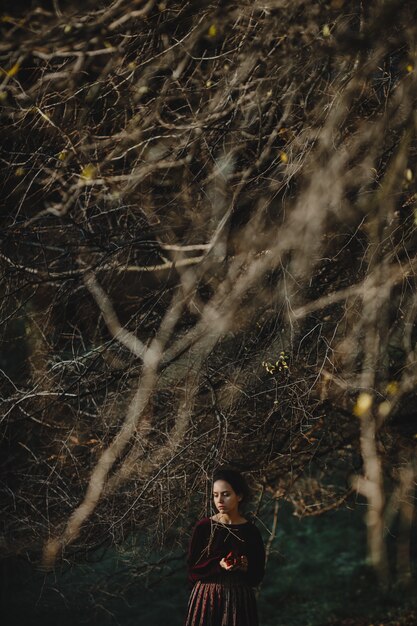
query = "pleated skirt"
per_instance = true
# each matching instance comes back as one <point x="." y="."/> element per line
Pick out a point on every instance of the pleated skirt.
<point x="221" y="604"/>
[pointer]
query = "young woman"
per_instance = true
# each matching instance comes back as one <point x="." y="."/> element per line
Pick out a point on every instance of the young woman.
<point x="226" y="559"/>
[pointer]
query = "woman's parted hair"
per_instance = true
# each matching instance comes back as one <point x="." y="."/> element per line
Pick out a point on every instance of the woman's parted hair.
<point x="235" y="480"/>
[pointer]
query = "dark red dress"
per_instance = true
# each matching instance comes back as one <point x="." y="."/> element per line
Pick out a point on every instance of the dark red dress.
<point x="220" y="597"/>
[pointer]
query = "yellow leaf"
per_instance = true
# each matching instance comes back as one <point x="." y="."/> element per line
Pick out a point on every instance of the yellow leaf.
<point x="384" y="408"/>
<point x="392" y="388"/>
<point x="62" y="156"/>
<point x="212" y="31"/>
<point x="283" y="157"/>
<point x="326" y="30"/>
<point x="88" y="172"/>
<point x="13" y="70"/>
<point x="363" y="404"/>
<point x="409" y="67"/>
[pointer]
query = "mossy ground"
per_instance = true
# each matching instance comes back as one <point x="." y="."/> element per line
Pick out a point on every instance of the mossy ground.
<point x="316" y="576"/>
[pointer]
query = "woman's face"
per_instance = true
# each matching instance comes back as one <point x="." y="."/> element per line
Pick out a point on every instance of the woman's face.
<point x="225" y="499"/>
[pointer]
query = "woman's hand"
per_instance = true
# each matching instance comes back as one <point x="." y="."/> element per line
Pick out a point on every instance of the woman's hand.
<point x="234" y="563"/>
<point x="225" y="564"/>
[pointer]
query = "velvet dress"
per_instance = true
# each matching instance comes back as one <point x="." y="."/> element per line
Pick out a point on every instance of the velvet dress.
<point x="219" y="597"/>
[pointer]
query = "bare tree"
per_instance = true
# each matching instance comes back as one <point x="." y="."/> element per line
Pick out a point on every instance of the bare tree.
<point x="208" y="255"/>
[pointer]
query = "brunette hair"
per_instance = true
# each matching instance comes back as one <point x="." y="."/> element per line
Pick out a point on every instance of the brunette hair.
<point x="235" y="480"/>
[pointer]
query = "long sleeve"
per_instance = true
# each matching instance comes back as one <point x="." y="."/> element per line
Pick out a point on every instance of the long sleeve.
<point x="256" y="558"/>
<point x="201" y="565"/>
<point x="211" y="541"/>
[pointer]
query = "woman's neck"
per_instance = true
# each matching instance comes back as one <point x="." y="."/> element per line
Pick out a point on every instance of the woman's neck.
<point x="229" y="518"/>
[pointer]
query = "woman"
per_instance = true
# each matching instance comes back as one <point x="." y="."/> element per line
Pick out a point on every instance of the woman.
<point x="226" y="559"/>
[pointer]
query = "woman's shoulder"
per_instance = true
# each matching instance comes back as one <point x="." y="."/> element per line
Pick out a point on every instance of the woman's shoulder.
<point x="252" y="524"/>
<point x="201" y="528"/>
<point x="253" y="532"/>
<point x="250" y="527"/>
<point x="204" y="521"/>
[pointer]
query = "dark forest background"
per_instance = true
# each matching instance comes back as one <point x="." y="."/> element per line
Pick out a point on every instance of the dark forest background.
<point x="208" y="255"/>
